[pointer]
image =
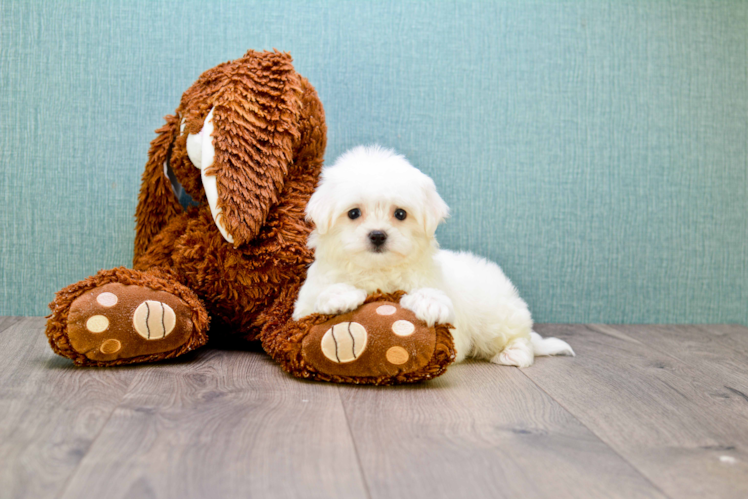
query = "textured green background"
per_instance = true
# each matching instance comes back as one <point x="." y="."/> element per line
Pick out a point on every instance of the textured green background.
<point x="596" y="150"/>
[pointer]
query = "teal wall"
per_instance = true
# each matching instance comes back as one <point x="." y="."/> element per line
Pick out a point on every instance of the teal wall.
<point x="596" y="150"/>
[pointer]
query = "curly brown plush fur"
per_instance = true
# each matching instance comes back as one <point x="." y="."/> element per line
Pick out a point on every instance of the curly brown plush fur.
<point x="269" y="141"/>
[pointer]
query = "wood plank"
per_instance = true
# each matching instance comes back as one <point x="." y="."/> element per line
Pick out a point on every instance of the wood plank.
<point x="227" y="424"/>
<point x="732" y="336"/>
<point x="671" y="418"/>
<point x="481" y="430"/>
<point x="50" y="411"/>
<point x="667" y="402"/>
<point x="8" y="321"/>
<point x="706" y="353"/>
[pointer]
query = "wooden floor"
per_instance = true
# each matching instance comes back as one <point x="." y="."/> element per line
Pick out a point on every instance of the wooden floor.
<point x="642" y="411"/>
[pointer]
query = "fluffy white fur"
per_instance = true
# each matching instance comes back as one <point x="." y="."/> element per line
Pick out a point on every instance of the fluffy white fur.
<point x="491" y="320"/>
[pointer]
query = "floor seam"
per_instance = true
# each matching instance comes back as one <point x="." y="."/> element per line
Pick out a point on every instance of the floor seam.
<point x="355" y="448"/>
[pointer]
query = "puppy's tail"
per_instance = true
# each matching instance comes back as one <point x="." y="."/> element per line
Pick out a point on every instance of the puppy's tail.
<point x="550" y="346"/>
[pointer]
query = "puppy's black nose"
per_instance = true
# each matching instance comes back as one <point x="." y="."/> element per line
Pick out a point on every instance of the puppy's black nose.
<point x="377" y="238"/>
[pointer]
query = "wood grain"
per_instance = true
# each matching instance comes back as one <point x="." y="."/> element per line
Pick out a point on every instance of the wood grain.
<point x="642" y="411"/>
<point x="226" y="424"/>
<point x="8" y="321"/>
<point x="708" y="353"/>
<point x="667" y="411"/>
<point x="734" y="337"/>
<point x="50" y="411"/>
<point x="481" y="430"/>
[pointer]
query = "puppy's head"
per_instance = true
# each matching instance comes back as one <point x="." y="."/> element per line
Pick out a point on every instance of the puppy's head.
<point x="373" y="209"/>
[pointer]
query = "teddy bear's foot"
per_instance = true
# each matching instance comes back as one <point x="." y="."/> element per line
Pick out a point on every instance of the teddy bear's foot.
<point x="111" y="322"/>
<point x="115" y="321"/>
<point x="379" y="343"/>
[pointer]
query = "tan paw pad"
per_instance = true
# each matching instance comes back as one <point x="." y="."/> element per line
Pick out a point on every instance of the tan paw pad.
<point x="403" y="328"/>
<point x="110" y="346"/>
<point x="107" y="299"/>
<point x="397" y="355"/>
<point x="344" y="342"/>
<point x="97" y="324"/>
<point x="386" y="310"/>
<point x="154" y="320"/>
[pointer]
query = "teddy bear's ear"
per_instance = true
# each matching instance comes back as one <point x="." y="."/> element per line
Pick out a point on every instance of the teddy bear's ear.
<point x="248" y="142"/>
<point x="157" y="203"/>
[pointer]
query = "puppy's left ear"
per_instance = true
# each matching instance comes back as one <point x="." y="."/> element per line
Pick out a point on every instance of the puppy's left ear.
<point x="435" y="209"/>
<point x="321" y="207"/>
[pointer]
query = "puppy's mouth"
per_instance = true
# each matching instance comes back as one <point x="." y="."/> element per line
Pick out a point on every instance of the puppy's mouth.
<point x="385" y="250"/>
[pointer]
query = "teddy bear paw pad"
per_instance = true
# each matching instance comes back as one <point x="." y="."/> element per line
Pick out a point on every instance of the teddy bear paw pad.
<point x="377" y="339"/>
<point x="116" y="321"/>
<point x="344" y="342"/>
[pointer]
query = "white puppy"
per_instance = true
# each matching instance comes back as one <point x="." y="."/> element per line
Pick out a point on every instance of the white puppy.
<point x="375" y="216"/>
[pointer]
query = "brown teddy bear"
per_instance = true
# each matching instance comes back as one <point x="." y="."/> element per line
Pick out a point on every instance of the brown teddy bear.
<point x="246" y="144"/>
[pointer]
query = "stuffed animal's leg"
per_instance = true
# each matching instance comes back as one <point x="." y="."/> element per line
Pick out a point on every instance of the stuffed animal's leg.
<point x="123" y="316"/>
<point x="379" y="343"/>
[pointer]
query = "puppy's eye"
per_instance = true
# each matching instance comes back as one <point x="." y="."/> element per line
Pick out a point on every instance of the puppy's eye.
<point x="400" y="214"/>
<point x="354" y="213"/>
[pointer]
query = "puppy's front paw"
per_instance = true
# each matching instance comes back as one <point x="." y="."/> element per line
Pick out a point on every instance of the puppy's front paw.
<point x="430" y="305"/>
<point x="339" y="298"/>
